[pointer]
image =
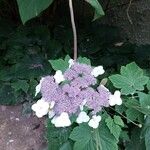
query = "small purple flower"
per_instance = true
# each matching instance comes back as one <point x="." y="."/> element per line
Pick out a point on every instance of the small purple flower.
<point x="70" y="90"/>
<point x="48" y="88"/>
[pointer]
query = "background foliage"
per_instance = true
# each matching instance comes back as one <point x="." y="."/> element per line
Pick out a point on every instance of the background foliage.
<point x="26" y="49"/>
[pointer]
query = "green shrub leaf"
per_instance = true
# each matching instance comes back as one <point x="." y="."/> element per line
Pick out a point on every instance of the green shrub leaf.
<point x="130" y="80"/>
<point x="114" y="126"/>
<point x="98" y="8"/>
<point x="32" y="8"/>
<point x="87" y="138"/>
<point x="20" y="85"/>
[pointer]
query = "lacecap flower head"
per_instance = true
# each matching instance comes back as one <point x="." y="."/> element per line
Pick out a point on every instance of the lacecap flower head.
<point x="66" y="94"/>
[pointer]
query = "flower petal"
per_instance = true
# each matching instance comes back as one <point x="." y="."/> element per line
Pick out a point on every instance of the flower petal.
<point x="82" y="117"/>
<point x="97" y="71"/>
<point x="59" y="76"/>
<point x="62" y="120"/>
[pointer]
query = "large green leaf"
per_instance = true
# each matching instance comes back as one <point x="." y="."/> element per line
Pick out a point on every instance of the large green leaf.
<point x="146" y="133"/>
<point x="87" y="138"/>
<point x="144" y="100"/>
<point x="135" y="104"/>
<point x="98" y="8"/>
<point x="115" y="125"/>
<point x="60" y="64"/>
<point x="20" y="85"/>
<point x="57" y="137"/>
<point x="32" y="8"/>
<point x="130" y="80"/>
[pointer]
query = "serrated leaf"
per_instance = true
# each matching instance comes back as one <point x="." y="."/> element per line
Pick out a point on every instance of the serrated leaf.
<point x="87" y="138"/>
<point x="59" y="64"/>
<point x="32" y="8"/>
<point x="132" y="114"/>
<point x="135" y="105"/>
<point x="20" y="85"/>
<point x="98" y="8"/>
<point x="144" y="100"/>
<point x="113" y="127"/>
<point x="84" y="60"/>
<point x="130" y="80"/>
<point x="118" y="121"/>
<point x="124" y="136"/>
<point x="56" y="136"/>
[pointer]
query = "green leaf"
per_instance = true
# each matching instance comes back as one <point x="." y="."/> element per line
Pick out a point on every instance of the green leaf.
<point x="114" y="128"/>
<point x="87" y="138"/>
<point x="144" y="100"/>
<point x="84" y="60"/>
<point x="118" y="121"/>
<point x="98" y="8"/>
<point x="130" y="80"/>
<point x="66" y="146"/>
<point x="7" y="96"/>
<point x="132" y="114"/>
<point x="57" y="137"/>
<point x="59" y="64"/>
<point x="148" y="85"/>
<point x="32" y="8"/>
<point x="124" y="136"/>
<point x="135" y="105"/>
<point x="146" y="132"/>
<point x="20" y="85"/>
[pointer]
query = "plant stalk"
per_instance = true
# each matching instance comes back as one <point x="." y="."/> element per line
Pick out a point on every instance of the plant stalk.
<point x="74" y="29"/>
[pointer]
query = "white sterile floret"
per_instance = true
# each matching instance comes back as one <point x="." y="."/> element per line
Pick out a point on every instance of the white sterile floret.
<point x="97" y="71"/>
<point x="51" y="114"/>
<point x="62" y="120"/>
<point x="38" y="87"/>
<point x="59" y="76"/>
<point x="71" y="62"/>
<point x="52" y="104"/>
<point x="94" y="122"/>
<point x="41" y="108"/>
<point x="82" y="117"/>
<point x="115" y="99"/>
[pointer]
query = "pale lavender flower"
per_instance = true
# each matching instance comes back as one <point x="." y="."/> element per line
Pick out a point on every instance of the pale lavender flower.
<point x="48" y="88"/>
<point x="70" y="74"/>
<point x="70" y="90"/>
<point x="82" y="69"/>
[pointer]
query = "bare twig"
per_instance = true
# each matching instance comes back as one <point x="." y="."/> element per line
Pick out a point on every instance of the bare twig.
<point x="74" y="29"/>
<point x="129" y="18"/>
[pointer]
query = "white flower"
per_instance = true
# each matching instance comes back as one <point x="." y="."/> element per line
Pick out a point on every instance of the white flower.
<point x="59" y="76"/>
<point x="71" y="62"/>
<point x="115" y="99"/>
<point x="62" y="120"/>
<point x="82" y="117"/>
<point x="82" y="104"/>
<point x="51" y="114"/>
<point x="41" y="108"/>
<point x="94" y="122"/>
<point x="52" y="104"/>
<point x="97" y="71"/>
<point x="38" y="87"/>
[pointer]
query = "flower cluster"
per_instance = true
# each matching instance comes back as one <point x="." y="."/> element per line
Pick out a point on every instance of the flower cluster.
<point x="66" y="94"/>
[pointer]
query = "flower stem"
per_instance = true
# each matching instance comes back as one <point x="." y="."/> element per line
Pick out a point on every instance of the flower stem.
<point x="74" y="29"/>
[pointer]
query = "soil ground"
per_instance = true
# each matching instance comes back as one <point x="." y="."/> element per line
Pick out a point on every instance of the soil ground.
<point x="18" y="132"/>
